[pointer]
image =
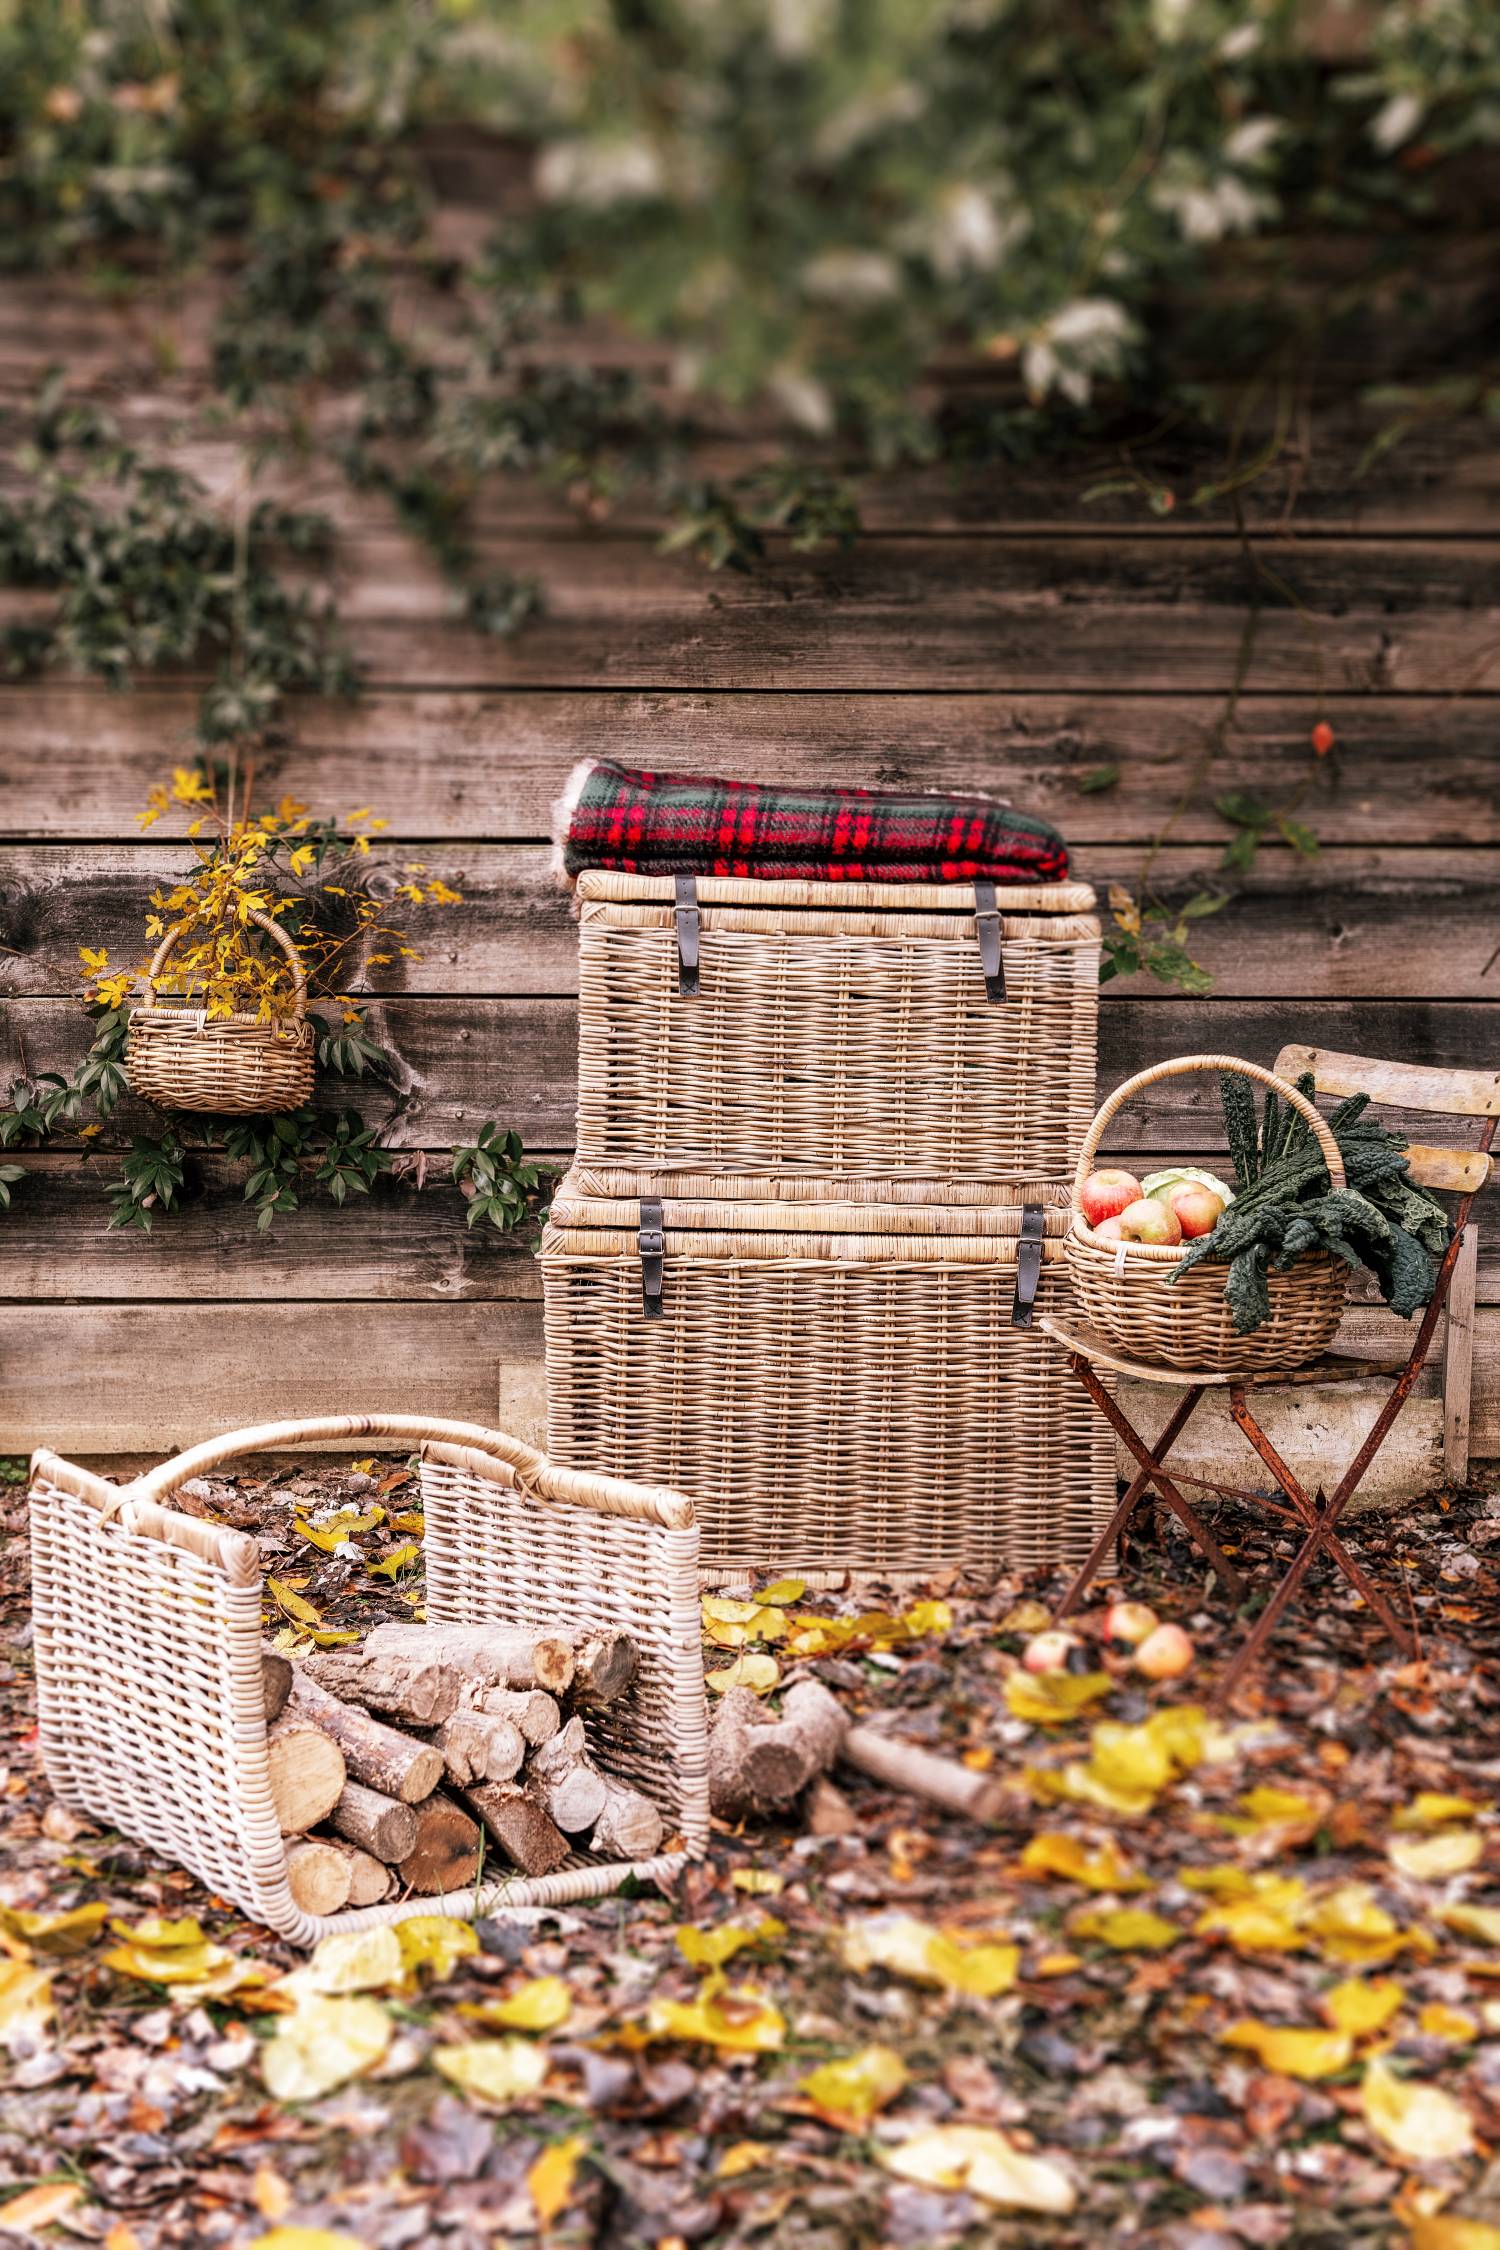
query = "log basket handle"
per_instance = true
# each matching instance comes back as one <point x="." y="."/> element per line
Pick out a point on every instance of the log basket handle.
<point x="262" y="922"/>
<point x="1187" y="1066"/>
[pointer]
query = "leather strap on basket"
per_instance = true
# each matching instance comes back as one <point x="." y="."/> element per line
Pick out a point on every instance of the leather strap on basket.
<point x="1028" y="1264"/>
<point x="987" y="927"/>
<point x="687" y="936"/>
<point x="653" y="1248"/>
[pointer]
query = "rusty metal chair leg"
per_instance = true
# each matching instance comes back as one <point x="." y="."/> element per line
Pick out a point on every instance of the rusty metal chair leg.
<point x="1155" y="1474"/>
<point x="1134" y="1494"/>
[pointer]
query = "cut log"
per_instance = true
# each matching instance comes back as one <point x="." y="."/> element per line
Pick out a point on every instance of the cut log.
<point x="513" y="1656"/>
<point x="561" y="1775"/>
<point x="306" y="1772"/>
<point x="410" y="1690"/>
<point x="375" y="1754"/>
<point x="276" y="1672"/>
<point x="370" y="1880"/>
<point x="630" y="1826"/>
<point x="524" y="1831"/>
<point x="318" y="1875"/>
<point x="379" y="1825"/>
<point x="531" y="1711"/>
<point x="604" y="1665"/>
<point x="922" y="1773"/>
<point x="478" y="1746"/>
<point x="758" y="1764"/>
<point x="446" y="1854"/>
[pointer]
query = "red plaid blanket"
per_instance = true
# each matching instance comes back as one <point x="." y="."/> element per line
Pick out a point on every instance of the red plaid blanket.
<point x="691" y="824"/>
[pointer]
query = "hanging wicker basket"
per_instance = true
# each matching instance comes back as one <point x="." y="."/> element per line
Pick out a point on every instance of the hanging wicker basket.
<point x="1126" y="1290"/>
<point x="230" y="1066"/>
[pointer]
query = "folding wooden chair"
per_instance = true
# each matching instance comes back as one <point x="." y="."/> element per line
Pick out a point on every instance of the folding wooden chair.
<point x="1463" y="1171"/>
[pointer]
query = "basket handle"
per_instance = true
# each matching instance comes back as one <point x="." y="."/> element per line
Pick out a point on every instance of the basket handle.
<point x="262" y="922"/>
<point x="1185" y="1066"/>
<point x="534" y="1472"/>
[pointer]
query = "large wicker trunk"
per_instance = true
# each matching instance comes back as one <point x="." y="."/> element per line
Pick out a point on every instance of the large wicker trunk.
<point x="866" y="1031"/>
<point x="839" y="1384"/>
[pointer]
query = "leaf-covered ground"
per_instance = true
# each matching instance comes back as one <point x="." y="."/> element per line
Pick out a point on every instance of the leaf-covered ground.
<point x="1218" y="1978"/>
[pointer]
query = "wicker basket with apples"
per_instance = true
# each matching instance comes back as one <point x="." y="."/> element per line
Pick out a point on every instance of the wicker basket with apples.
<point x="1129" y="1236"/>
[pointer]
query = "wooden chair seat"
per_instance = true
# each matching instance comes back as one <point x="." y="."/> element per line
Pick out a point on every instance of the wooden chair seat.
<point x="1335" y="1367"/>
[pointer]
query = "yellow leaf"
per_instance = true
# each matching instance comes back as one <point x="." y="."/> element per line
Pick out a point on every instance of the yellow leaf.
<point x="1263" y="1811"/>
<point x="1428" y="1859"/>
<point x="65" y="1933"/>
<point x="154" y="1931"/>
<point x="497" y="2071"/>
<point x="848" y="2093"/>
<point x="435" y="1941"/>
<point x="1351" y="1927"/>
<point x="306" y="2238"/>
<point x="1127" y="1929"/>
<point x="757" y="1672"/>
<point x="924" y="1620"/>
<point x="758" y="1882"/>
<point x="1359" y="2005"/>
<point x="1416" y="2120"/>
<point x="982" y="2161"/>
<point x="924" y="1955"/>
<point x="290" y="1604"/>
<point x="710" y="1949"/>
<point x="39" y="2207"/>
<point x="1444" y="2230"/>
<point x="541" y="2005"/>
<point x="742" y="2157"/>
<point x="1296" y="2054"/>
<point x="1257" y="1913"/>
<point x="550" y="2178"/>
<point x="193" y="1965"/>
<point x="1057" y="1964"/>
<point x="352" y="1961"/>
<point x="1454" y="2024"/>
<point x="1431" y="1809"/>
<point x="322" y="2044"/>
<point x="25" y="2004"/>
<point x="401" y="1558"/>
<point x="1050" y="1699"/>
<point x="736" y="2019"/>
<point x="272" y="2193"/>
<point x="718" y="1610"/>
<point x="785" y="1591"/>
<point x="1480" y="1922"/>
<point x="1101" y="1870"/>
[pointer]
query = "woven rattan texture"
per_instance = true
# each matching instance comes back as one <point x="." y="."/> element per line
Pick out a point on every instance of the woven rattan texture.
<point x="148" y="1641"/>
<point x="1127" y="1291"/>
<point x="231" y="1067"/>
<point x="838" y="1039"/>
<point x="834" y="1401"/>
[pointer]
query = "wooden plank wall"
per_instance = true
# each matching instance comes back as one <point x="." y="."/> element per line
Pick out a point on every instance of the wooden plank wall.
<point x="988" y="631"/>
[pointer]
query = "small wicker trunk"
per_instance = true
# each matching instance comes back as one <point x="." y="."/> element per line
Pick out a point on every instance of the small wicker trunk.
<point x="866" y="1031"/>
<point x="841" y="1385"/>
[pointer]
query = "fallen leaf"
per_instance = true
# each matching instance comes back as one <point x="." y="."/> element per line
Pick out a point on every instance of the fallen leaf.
<point x="25" y="2004"/>
<point x="924" y="1955"/>
<point x="1429" y="1859"/>
<point x="271" y="2192"/>
<point x="756" y="1671"/>
<point x="758" y="1882"/>
<point x="1101" y="1870"/>
<point x="306" y="2238"/>
<point x="204" y="1969"/>
<point x="57" y="1934"/>
<point x="1126" y="1929"/>
<point x="499" y="2071"/>
<point x="1414" y="2119"/>
<point x="291" y="1604"/>
<point x="849" y="2092"/>
<point x="550" y="2179"/>
<point x="39" y="2207"/>
<point x="1444" y="2230"/>
<point x="734" y="2018"/>
<point x="1260" y="1914"/>
<point x="710" y="1949"/>
<point x="1351" y="1927"/>
<point x="399" y="1559"/>
<point x="783" y="1593"/>
<point x="1284" y="1815"/>
<point x="1292" y="2052"/>
<point x="742" y="2157"/>
<point x="157" y="1932"/>
<point x="435" y="1941"/>
<point x="1050" y="1699"/>
<point x="353" y="1961"/>
<point x="323" y="2043"/>
<point x="1431" y="1809"/>
<point x="982" y="2161"/>
<point x="541" y="2005"/>
<point x="1361" y="2005"/>
<point x="1453" y="2024"/>
<point x="1481" y="1922"/>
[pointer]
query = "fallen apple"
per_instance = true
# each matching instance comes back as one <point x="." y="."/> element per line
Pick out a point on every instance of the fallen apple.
<point x="1165" y="1654"/>
<point x="1197" y="1209"/>
<point x="1049" y="1652"/>
<point x="1129" y="1621"/>
<point x="1107" y="1192"/>
<point x="1150" y="1221"/>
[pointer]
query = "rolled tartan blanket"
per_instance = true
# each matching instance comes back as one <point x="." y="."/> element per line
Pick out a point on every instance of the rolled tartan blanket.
<point x="691" y="824"/>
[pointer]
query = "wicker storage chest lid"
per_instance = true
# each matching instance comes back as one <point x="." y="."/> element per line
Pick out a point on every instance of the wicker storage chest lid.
<point x="938" y="1032"/>
<point x="841" y="1385"/>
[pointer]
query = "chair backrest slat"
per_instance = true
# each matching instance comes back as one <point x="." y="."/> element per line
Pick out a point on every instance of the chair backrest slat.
<point x="1450" y="1093"/>
<point x="1452" y="1171"/>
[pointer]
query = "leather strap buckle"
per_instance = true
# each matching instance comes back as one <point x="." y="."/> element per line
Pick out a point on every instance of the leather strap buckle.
<point x="653" y="1249"/>
<point x="687" y="936"/>
<point x="987" y="927"/>
<point x="1028" y="1264"/>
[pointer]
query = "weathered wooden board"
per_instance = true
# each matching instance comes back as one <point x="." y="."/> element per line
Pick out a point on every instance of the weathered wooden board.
<point x="1359" y="924"/>
<point x="466" y="764"/>
<point x="74" y="1376"/>
<point x="920" y="612"/>
<point x="464" y="1060"/>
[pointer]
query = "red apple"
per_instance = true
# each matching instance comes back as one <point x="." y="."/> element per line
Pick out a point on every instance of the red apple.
<point x="1164" y="1654"/>
<point x="1198" y="1209"/>
<point x="1106" y="1193"/>
<point x="1048" y="1652"/>
<point x="1129" y="1621"/>
<point x="1150" y="1221"/>
<point x="1108" y="1230"/>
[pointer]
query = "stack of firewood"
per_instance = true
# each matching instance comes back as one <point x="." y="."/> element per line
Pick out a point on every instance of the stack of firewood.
<point x="388" y="1760"/>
